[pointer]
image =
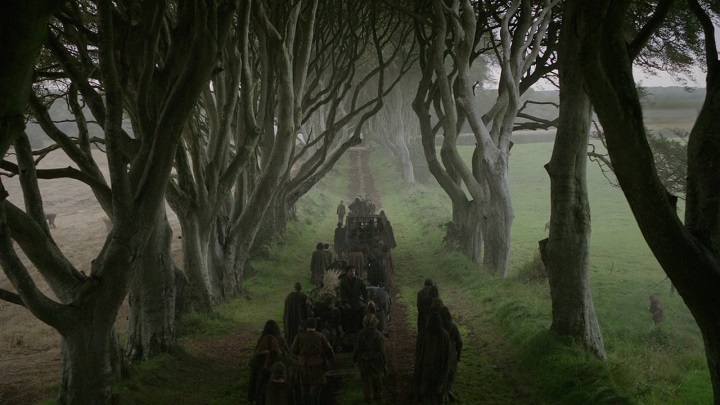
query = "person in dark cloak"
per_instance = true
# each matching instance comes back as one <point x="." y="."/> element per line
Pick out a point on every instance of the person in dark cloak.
<point x="339" y="240"/>
<point x="353" y="296"/>
<point x="340" y="211"/>
<point x="278" y="390"/>
<point x="457" y="342"/>
<point x="389" y="236"/>
<point x="329" y="320"/>
<point x="381" y="298"/>
<point x="269" y="349"/>
<point x="369" y="355"/>
<point x="295" y="311"/>
<point x="356" y="258"/>
<point x="375" y="272"/>
<point x="424" y="302"/>
<point x="327" y="254"/>
<point x="434" y="355"/>
<point x="355" y="207"/>
<point x="317" y="265"/>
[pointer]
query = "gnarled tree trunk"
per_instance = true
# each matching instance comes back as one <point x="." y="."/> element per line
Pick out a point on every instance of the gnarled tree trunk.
<point x="687" y="252"/>
<point x="91" y="363"/>
<point x="151" y="325"/>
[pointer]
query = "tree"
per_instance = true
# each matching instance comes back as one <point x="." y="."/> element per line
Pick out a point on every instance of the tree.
<point x="566" y="251"/>
<point x="345" y="89"/>
<point x="394" y="125"/>
<point x="165" y="87"/>
<point x="687" y="252"/>
<point x="456" y="35"/>
<point x="23" y="27"/>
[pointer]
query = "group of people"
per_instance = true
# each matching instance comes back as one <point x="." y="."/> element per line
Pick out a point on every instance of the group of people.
<point x="321" y="260"/>
<point x="295" y="373"/>
<point x="364" y="254"/>
<point x="340" y="308"/>
<point x="360" y="207"/>
<point x="277" y="369"/>
<point x="437" y="350"/>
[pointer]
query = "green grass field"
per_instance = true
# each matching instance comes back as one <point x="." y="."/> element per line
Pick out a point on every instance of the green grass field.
<point x="646" y="364"/>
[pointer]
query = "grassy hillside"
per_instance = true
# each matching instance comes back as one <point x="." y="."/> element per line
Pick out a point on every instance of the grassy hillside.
<point x="509" y="353"/>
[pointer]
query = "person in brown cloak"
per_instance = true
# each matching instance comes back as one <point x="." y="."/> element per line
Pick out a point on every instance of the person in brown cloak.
<point x="314" y="353"/>
<point x="369" y="355"/>
<point x="317" y="265"/>
<point x="269" y="349"/>
<point x="295" y="312"/>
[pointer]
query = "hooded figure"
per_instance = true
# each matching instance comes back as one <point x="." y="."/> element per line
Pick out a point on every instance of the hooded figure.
<point x="369" y="354"/>
<point x="340" y="212"/>
<point x="278" y="390"/>
<point x="317" y="265"/>
<point x="269" y="349"/>
<point x="434" y="356"/>
<point x="295" y="312"/>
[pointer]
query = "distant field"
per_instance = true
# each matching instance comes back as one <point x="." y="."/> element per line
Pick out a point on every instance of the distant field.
<point x="664" y="107"/>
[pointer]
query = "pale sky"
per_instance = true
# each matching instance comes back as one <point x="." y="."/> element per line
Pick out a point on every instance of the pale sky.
<point x="663" y="79"/>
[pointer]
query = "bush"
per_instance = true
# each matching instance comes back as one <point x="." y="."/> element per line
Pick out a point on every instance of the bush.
<point x="533" y="271"/>
<point x="454" y="235"/>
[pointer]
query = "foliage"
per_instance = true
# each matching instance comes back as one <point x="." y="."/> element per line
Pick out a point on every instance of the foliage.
<point x="675" y="48"/>
<point x="533" y="271"/>
<point x="670" y="159"/>
<point x="260" y="248"/>
<point x="454" y="235"/>
<point x="669" y="152"/>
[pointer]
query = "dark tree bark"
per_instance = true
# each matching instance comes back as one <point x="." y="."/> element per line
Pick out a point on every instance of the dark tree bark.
<point x="566" y="252"/>
<point x="687" y="252"/>
<point x="23" y="29"/>
<point x="151" y="324"/>
<point x="163" y="84"/>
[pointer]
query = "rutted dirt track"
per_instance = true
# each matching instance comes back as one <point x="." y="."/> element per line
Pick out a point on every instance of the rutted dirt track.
<point x="400" y="344"/>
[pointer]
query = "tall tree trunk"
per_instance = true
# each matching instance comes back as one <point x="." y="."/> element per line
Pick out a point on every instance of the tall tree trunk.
<point x="467" y="220"/>
<point x="91" y="361"/>
<point x="151" y="327"/>
<point x="566" y="252"/>
<point x="408" y="170"/>
<point x="498" y="215"/>
<point x="199" y="292"/>
<point x="23" y="27"/>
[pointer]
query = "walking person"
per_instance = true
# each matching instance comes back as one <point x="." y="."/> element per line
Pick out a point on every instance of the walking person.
<point x="434" y="355"/>
<point x="278" y="390"/>
<point x="340" y="212"/>
<point x="369" y="355"/>
<point x="353" y="296"/>
<point x="457" y="344"/>
<point x="314" y="354"/>
<point x="339" y="240"/>
<point x="295" y="311"/>
<point x="269" y="349"/>
<point x="424" y="302"/>
<point x="318" y="263"/>
<point x="381" y="298"/>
